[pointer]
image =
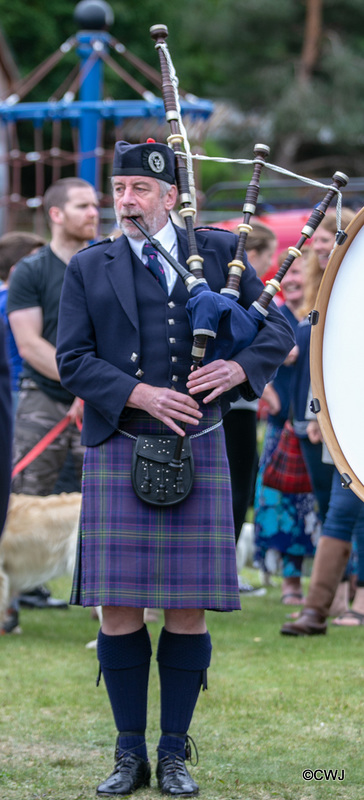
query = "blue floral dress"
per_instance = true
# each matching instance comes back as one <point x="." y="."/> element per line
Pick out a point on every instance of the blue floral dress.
<point x="287" y="523"/>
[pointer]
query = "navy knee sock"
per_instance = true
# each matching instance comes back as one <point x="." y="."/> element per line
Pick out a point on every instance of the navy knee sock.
<point x="182" y="660"/>
<point x="124" y="662"/>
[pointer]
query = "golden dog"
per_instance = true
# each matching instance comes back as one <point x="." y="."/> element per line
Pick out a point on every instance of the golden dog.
<point x="38" y="542"/>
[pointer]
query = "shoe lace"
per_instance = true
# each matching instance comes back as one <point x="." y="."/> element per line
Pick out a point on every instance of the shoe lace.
<point x="174" y="766"/>
<point x="124" y="760"/>
<point x="188" y="750"/>
<point x="128" y="755"/>
<point x="188" y="741"/>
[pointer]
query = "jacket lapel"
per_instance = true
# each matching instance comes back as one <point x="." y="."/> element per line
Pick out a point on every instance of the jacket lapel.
<point x="119" y="269"/>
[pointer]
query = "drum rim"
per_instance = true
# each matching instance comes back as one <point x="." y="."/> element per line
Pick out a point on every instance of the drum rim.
<point x="316" y="353"/>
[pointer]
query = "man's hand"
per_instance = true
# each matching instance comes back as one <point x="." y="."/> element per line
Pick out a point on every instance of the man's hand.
<point x="75" y="412"/>
<point x="167" y="405"/>
<point x="313" y="432"/>
<point x="271" y="398"/>
<point x="217" y="377"/>
<point x="292" y="356"/>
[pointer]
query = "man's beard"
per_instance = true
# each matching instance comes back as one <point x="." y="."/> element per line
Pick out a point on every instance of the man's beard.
<point x="127" y="227"/>
<point x="152" y="224"/>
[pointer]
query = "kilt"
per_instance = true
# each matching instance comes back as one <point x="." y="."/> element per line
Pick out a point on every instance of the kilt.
<point x="140" y="556"/>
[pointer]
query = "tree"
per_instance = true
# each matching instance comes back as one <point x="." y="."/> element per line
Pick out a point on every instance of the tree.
<point x="291" y="70"/>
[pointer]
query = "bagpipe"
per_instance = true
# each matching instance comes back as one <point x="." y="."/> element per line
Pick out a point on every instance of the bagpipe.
<point x="220" y="325"/>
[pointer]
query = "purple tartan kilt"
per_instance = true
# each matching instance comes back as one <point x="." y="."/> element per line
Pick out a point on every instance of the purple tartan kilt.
<point x="132" y="554"/>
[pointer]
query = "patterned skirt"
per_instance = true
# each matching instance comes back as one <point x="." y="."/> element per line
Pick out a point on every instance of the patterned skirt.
<point x="288" y="523"/>
<point x="136" y="555"/>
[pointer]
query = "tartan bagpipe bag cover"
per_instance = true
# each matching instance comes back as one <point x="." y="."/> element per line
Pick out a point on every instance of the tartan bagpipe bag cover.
<point x="286" y="469"/>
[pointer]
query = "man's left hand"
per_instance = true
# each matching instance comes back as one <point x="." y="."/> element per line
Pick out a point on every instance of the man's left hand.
<point x="75" y="412"/>
<point x="217" y="377"/>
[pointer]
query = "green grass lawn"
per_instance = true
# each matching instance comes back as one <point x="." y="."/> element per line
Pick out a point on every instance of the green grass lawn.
<point x="275" y="707"/>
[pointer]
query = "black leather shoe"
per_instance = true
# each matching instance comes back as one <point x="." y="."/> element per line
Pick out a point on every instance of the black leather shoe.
<point x="41" y="598"/>
<point x="174" y="778"/>
<point x="131" y="772"/>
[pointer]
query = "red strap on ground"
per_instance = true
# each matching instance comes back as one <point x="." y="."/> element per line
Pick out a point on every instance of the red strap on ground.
<point x="43" y="444"/>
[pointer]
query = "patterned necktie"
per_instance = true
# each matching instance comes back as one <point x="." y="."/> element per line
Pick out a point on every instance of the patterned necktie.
<point x="154" y="265"/>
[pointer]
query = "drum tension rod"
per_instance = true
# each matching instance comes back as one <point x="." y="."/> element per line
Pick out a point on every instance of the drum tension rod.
<point x="313" y="317"/>
<point x="315" y="406"/>
<point x="345" y="480"/>
<point x="340" y="237"/>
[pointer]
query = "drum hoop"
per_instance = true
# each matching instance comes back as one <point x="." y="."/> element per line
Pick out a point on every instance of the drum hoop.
<point x="316" y="355"/>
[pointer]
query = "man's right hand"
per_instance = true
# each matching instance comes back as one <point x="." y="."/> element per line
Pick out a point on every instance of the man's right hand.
<point x="272" y="399"/>
<point x="167" y="405"/>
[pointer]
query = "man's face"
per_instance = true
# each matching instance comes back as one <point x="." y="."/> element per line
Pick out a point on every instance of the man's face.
<point x="80" y="214"/>
<point x="140" y="197"/>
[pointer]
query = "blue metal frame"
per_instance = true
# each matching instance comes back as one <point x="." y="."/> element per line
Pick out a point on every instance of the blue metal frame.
<point x="118" y="109"/>
<point x="90" y="109"/>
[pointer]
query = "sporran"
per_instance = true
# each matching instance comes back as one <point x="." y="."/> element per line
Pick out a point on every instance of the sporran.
<point x="154" y="480"/>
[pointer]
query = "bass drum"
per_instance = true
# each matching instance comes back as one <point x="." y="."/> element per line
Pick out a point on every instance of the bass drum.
<point x="337" y="357"/>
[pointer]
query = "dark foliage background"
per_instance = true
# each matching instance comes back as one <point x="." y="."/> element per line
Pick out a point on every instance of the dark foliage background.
<point x="291" y="71"/>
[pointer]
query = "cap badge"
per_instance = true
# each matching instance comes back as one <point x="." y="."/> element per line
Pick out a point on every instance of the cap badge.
<point x="156" y="161"/>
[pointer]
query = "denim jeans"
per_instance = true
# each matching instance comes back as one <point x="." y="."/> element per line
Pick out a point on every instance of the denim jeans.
<point x="320" y="474"/>
<point x="345" y="520"/>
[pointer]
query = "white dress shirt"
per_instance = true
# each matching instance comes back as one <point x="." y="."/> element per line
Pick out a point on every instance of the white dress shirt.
<point x="168" y="238"/>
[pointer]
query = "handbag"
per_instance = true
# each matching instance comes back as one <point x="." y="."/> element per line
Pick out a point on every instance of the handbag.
<point x="286" y="469"/>
<point x="153" y="479"/>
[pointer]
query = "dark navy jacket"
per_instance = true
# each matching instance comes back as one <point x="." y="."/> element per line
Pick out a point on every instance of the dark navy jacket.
<point x="283" y="381"/>
<point x="99" y="337"/>
<point x="301" y="378"/>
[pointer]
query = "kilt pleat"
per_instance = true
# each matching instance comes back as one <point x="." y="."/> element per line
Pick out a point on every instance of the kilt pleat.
<point x="136" y="555"/>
